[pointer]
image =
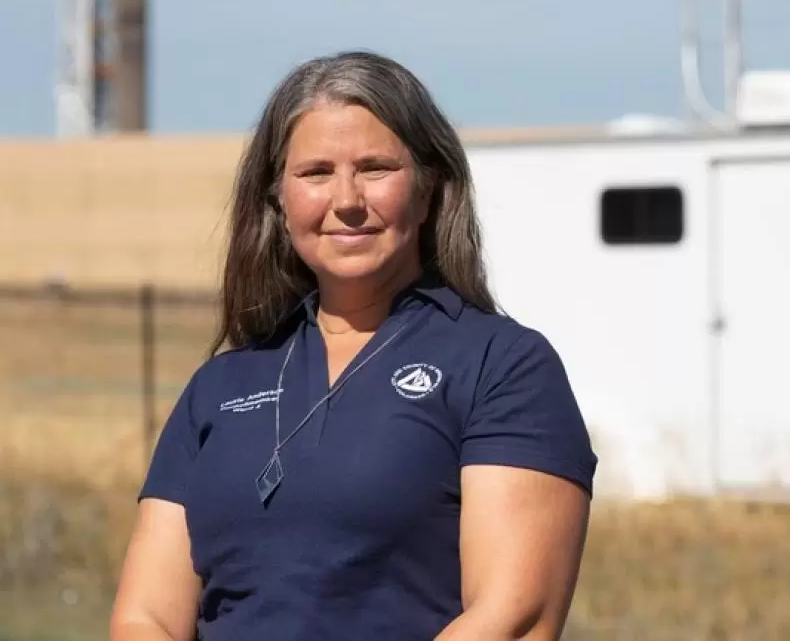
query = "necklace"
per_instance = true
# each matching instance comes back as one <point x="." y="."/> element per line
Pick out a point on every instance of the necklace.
<point x="273" y="474"/>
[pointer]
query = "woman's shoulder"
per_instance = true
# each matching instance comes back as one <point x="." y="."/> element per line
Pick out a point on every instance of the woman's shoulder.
<point x="231" y="363"/>
<point x="228" y="357"/>
<point x="500" y="330"/>
<point x="503" y="347"/>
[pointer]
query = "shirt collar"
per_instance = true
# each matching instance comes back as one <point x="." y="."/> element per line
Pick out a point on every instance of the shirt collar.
<point x="437" y="293"/>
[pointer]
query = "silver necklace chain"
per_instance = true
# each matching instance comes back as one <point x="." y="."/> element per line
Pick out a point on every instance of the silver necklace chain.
<point x="272" y="475"/>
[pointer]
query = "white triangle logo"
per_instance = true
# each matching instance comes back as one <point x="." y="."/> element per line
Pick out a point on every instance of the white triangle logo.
<point x="416" y="381"/>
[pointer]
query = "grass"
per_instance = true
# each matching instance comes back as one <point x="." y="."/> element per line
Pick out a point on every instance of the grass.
<point x="687" y="570"/>
<point x="72" y="454"/>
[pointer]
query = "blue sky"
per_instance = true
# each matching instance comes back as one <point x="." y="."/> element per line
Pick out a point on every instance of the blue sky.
<point x="492" y="63"/>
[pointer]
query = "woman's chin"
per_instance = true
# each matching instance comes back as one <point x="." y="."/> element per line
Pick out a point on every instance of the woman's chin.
<point x="351" y="268"/>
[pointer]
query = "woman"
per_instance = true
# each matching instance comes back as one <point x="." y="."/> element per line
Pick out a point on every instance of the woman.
<point x="381" y="454"/>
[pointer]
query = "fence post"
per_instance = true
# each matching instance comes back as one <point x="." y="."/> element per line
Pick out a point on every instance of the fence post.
<point x="148" y="342"/>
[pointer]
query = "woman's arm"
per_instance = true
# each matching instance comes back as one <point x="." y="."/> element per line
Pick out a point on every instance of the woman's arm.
<point x="522" y="536"/>
<point x="158" y="593"/>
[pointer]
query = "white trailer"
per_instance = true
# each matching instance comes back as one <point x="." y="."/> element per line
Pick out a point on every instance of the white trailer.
<point x="659" y="267"/>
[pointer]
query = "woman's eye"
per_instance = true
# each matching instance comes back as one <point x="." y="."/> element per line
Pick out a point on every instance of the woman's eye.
<point x="315" y="172"/>
<point x="376" y="171"/>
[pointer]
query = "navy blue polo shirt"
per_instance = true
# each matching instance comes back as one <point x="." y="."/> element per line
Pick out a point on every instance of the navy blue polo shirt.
<point x="360" y="539"/>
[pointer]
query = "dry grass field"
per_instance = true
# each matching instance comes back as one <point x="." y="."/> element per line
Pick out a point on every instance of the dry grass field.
<point x="72" y="454"/>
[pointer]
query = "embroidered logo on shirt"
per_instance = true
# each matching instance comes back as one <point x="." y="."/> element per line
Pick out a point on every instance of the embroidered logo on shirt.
<point x="416" y="380"/>
<point x="250" y="402"/>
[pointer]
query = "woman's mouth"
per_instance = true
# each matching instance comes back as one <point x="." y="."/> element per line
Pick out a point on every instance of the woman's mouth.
<point x="353" y="237"/>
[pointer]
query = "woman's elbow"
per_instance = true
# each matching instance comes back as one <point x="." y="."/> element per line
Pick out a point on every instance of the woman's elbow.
<point x="518" y="619"/>
<point x="127" y="629"/>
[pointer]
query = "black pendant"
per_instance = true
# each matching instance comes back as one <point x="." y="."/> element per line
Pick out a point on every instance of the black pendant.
<point x="270" y="479"/>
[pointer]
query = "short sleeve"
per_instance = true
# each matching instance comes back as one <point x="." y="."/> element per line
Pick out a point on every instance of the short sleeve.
<point x="174" y="454"/>
<point x="525" y="414"/>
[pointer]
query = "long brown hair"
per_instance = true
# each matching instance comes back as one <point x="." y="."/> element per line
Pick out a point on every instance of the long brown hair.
<point x="263" y="277"/>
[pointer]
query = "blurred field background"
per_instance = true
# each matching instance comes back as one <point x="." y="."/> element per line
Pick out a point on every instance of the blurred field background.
<point x="74" y="447"/>
<point x="88" y="375"/>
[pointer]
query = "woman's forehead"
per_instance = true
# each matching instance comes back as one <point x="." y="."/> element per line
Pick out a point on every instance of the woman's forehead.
<point x="334" y="129"/>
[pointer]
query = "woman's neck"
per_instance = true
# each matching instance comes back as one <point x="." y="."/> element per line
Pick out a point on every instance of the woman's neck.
<point x="361" y="307"/>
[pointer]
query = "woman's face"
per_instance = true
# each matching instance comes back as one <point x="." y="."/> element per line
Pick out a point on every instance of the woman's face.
<point x="352" y="204"/>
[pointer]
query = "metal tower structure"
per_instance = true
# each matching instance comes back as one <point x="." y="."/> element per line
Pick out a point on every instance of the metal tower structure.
<point x="130" y="65"/>
<point x="101" y="84"/>
<point x="696" y="100"/>
<point x="74" y="101"/>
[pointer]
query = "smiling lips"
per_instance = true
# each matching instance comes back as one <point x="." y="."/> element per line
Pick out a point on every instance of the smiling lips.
<point x="353" y="236"/>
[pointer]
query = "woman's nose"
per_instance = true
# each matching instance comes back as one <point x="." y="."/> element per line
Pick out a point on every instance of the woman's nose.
<point x="347" y="196"/>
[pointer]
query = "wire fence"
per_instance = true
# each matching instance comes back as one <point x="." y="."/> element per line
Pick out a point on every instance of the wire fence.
<point x="86" y="380"/>
<point x="121" y="328"/>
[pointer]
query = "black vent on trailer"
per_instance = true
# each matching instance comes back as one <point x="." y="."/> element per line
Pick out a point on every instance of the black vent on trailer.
<point x="642" y="215"/>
